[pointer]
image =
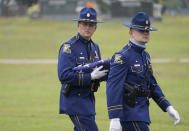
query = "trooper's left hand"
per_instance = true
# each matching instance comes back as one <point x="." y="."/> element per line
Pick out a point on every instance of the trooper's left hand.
<point x="174" y="114"/>
<point x="115" y="125"/>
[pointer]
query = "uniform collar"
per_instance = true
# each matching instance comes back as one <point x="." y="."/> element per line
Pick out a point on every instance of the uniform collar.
<point x="83" y="39"/>
<point x="137" y="46"/>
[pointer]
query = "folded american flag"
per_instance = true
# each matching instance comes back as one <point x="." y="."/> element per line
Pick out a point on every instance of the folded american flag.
<point x="89" y="67"/>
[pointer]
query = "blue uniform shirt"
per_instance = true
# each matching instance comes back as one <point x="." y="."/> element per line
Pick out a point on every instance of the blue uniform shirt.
<point x="74" y="52"/>
<point x="129" y="66"/>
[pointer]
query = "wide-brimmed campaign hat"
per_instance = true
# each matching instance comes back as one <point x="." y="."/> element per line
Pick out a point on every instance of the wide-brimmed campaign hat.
<point x="140" y="21"/>
<point x="88" y="14"/>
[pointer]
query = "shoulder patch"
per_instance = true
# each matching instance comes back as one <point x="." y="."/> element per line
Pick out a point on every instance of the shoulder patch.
<point x="118" y="59"/>
<point x="66" y="48"/>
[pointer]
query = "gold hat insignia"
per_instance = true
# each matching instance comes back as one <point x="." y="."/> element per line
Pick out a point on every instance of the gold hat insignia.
<point x="88" y="14"/>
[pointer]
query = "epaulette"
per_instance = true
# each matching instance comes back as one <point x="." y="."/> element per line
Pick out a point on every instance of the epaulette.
<point x="68" y="44"/>
<point x="129" y="47"/>
<point x="74" y="41"/>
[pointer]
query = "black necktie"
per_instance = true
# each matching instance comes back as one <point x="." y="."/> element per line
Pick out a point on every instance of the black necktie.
<point x="89" y="51"/>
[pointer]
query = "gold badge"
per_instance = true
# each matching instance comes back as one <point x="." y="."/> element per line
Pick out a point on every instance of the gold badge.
<point x="118" y="59"/>
<point x="66" y="48"/>
<point x="88" y="15"/>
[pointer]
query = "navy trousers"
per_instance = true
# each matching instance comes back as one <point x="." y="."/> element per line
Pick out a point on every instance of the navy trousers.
<point x="84" y="123"/>
<point x="134" y="126"/>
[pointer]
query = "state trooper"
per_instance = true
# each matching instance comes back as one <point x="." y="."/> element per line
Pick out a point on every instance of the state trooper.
<point x="77" y="88"/>
<point x="131" y="82"/>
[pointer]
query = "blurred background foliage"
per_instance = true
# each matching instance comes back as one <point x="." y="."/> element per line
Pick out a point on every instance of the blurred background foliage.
<point x="103" y="5"/>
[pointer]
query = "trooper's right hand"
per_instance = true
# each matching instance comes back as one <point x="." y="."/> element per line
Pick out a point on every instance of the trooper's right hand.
<point x="97" y="73"/>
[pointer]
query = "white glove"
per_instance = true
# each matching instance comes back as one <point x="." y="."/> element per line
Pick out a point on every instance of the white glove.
<point x="115" y="125"/>
<point x="174" y="114"/>
<point x="97" y="73"/>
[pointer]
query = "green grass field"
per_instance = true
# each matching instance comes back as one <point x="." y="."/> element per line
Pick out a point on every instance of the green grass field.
<point x="29" y="93"/>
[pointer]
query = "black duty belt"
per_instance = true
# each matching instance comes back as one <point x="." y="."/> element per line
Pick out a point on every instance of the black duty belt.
<point x="132" y="92"/>
<point x="143" y="93"/>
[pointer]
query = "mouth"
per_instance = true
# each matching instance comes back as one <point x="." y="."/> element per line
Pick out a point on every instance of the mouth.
<point x="87" y="32"/>
<point x="146" y="37"/>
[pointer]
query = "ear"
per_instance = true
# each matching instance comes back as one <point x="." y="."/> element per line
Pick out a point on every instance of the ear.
<point x="96" y="27"/>
<point x="77" y="24"/>
<point x="130" y="32"/>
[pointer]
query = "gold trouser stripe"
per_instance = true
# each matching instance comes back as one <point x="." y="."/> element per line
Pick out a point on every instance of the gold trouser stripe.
<point x="135" y="126"/>
<point x="82" y="80"/>
<point x="77" y="120"/>
<point x="79" y="80"/>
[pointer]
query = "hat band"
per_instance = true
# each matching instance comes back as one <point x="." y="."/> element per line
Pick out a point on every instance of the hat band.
<point x="145" y="27"/>
<point x="87" y="20"/>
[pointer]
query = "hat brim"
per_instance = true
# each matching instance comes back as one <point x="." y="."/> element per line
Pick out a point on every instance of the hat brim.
<point x="91" y="21"/>
<point x="139" y="28"/>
